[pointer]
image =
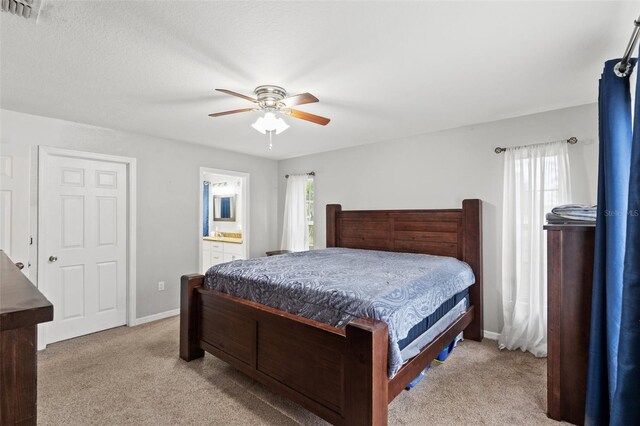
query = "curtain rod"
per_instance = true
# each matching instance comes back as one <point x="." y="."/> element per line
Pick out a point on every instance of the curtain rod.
<point x="572" y="140"/>
<point x="623" y="68"/>
<point x="308" y="174"/>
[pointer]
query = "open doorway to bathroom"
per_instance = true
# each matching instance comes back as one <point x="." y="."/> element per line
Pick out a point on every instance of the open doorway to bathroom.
<point x="223" y="232"/>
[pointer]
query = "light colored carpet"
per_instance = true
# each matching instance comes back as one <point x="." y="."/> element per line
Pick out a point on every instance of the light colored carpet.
<point x="134" y="376"/>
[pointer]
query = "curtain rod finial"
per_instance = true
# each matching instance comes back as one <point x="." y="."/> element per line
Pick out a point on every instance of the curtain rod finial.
<point x="622" y="69"/>
<point x="572" y="140"/>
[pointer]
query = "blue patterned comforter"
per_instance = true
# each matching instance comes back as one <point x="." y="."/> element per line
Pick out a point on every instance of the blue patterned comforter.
<point x="336" y="285"/>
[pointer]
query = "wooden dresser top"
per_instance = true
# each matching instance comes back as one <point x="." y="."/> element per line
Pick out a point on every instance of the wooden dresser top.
<point x="21" y="303"/>
<point x="570" y="226"/>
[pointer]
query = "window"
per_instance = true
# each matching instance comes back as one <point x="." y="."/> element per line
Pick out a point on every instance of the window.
<point x="310" y="193"/>
<point x="298" y="222"/>
<point x="538" y="184"/>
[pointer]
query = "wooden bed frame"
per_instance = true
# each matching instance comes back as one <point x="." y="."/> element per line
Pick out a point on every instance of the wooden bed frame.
<point x="340" y="375"/>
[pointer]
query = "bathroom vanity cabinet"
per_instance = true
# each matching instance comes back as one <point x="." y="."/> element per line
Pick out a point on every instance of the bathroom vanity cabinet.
<point x="217" y="250"/>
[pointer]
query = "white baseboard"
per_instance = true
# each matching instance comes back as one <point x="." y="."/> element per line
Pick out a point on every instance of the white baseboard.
<point x="156" y="317"/>
<point x="490" y="335"/>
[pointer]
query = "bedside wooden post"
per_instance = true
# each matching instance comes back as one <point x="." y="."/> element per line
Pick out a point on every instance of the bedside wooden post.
<point x="570" y="250"/>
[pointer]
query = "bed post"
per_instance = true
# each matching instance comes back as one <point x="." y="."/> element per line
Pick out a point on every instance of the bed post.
<point x="333" y="210"/>
<point x="365" y="373"/>
<point x="189" y="347"/>
<point x="472" y="254"/>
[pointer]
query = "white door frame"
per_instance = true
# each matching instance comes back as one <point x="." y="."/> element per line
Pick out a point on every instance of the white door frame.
<point x="245" y="208"/>
<point x="130" y="163"/>
<point x="17" y="177"/>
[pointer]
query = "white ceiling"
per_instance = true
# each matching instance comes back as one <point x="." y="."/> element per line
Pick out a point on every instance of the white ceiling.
<point x="381" y="70"/>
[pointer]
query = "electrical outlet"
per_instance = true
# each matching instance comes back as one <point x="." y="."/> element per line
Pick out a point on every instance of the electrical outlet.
<point x="160" y="285"/>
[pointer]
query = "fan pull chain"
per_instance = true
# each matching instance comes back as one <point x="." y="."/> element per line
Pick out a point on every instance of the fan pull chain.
<point x="270" y="140"/>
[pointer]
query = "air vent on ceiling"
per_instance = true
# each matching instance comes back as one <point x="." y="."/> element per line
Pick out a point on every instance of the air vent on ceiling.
<point x="23" y="8"/>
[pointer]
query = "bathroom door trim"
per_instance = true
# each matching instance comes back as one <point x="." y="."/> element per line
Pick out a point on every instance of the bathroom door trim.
<point x="245" y="208"/>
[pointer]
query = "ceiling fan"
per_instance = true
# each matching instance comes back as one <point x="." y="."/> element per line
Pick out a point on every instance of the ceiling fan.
<point x="273" y="101"/>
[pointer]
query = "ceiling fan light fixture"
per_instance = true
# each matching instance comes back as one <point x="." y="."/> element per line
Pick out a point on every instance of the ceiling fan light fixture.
<point x="269" y="123"/>
<point x="281" y="125"/>
<point x="259" y="125"/>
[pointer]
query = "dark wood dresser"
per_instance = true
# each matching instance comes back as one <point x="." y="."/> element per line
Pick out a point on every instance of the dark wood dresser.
<point x="22" y="308"/>
<point x="277" y="252"/>
<point x="570" y="279"/>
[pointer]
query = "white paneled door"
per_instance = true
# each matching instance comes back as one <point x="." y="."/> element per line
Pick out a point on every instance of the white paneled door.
<point x="14" y="203"/>
<point x="83" y="244"/>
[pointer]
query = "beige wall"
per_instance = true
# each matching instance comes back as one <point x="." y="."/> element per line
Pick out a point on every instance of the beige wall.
<point x="439" y="170"/>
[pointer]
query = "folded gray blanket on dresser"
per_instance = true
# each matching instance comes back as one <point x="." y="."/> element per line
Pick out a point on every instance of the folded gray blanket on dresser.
<point x="336" y="285"/>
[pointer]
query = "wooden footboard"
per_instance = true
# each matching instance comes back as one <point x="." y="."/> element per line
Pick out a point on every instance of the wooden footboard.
<point x="340" y="375"/>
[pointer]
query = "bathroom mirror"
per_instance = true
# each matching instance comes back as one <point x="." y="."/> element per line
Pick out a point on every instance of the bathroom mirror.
<point x="224" y="208"/>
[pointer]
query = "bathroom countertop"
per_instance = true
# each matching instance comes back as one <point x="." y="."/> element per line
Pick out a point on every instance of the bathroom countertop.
<point x="224" y="239"/>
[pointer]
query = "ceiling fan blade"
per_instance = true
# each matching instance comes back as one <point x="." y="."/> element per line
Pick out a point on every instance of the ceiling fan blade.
<point x="302" y="98"/>
<point x="229" y="92"/>
<point x="323" y="121"/>
<point x="235" y="111"/>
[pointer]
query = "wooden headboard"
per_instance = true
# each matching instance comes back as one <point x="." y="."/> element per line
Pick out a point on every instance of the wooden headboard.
<point x="449" y="232"/>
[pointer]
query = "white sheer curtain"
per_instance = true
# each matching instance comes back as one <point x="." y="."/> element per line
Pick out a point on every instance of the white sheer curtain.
<point x="295" y="229"/>
<point x="536" y="179"/>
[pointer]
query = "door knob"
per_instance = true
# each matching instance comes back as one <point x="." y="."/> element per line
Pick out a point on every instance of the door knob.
<point x="20" y="265"/>
<point x="52" y="259"/>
